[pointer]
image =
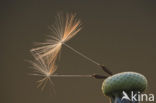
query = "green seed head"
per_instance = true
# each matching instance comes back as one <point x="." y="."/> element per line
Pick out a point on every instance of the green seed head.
<point x="126" y="81"/>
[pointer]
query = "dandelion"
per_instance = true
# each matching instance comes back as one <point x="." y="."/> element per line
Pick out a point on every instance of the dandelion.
<point x="65" y="28"/>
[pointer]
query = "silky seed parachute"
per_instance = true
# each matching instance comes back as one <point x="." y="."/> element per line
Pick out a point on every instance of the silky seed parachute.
<point x="65" y="28"/>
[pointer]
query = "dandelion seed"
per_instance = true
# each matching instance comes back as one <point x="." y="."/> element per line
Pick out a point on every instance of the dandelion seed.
<point x="65" y="28"/>
<point x="41" y="68"/>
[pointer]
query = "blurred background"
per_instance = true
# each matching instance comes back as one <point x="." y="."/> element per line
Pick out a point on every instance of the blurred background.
<point x="118" y="34"/>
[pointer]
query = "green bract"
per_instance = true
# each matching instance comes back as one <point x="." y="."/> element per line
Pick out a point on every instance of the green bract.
<point x="126" y="81"/>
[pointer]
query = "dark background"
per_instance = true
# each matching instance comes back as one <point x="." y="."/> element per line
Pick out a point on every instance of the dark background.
<point x="119" y="34"/>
